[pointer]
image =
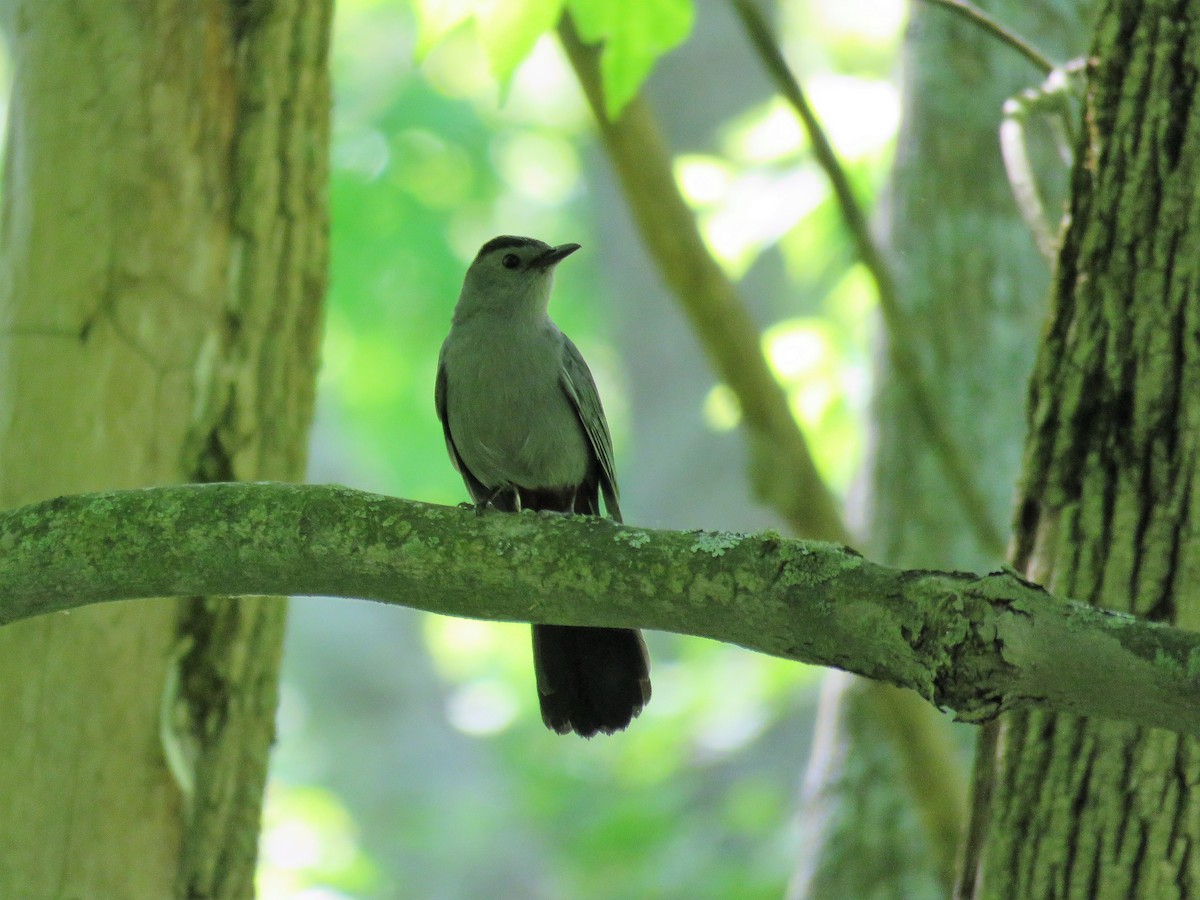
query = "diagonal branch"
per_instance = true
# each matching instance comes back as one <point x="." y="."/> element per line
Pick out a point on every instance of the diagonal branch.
<point x="782" y="470"/>
<point x="974" y="644"/>
<point x="979" y="18"/>
<point x="902" y="336"/>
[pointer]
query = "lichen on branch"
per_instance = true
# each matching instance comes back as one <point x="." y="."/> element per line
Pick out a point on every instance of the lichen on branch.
<point x="973" y="644"/>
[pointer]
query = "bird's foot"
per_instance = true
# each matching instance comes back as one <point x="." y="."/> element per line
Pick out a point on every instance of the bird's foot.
<point x="505" y="498"/>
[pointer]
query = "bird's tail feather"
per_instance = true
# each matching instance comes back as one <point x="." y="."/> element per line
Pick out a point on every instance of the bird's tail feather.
<point x="590" y="680"/>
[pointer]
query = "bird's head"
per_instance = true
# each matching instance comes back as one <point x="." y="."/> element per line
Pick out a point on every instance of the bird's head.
<point x="511" y="275"/>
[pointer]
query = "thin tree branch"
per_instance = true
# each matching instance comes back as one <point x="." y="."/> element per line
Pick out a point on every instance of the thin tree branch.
<point x="928" y="768"/>
<point x="974" y="644"/>
<point x="932" y="773"/>
<point x="782" y="471"/>
<point x="902" y="336"/>
<point x="978" y="17"/>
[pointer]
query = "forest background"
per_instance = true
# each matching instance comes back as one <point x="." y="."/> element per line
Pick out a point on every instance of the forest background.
<point x="410" y="759"/>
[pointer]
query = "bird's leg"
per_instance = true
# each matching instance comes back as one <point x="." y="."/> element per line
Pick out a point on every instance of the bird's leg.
<point x="564" y="504"/>
<point x="506" y="498"/>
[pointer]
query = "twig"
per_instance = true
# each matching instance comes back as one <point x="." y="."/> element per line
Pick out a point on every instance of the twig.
<point x="902" y="337"/>
<point x="977" y="16"/>
<point x="1052" y="100"/>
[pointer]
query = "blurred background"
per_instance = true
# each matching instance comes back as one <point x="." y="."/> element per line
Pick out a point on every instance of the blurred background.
<point x="411" y="759"/>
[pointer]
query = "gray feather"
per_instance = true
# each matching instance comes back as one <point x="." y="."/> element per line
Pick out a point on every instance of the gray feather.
<point x="524" y="427"/>
<point x="581" y="391"/>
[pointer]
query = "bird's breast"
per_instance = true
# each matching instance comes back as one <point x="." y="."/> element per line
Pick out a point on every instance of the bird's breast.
<point x="509" y="417"/>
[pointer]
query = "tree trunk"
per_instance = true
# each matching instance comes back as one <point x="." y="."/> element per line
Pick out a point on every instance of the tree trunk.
<point x="974" y="285"/>
<point x="969" y="274"/>
<point x="162" y="265"/>
<point x="1070" y="807"/>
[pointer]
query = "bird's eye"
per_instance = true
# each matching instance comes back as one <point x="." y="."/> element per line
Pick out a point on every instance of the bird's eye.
<point x="511" y="261"/>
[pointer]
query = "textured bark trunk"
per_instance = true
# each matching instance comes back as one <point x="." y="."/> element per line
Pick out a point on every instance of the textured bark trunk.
<point x="1069" y="807"/>
<point x="162" y="266"/>
<point x="974" y="284"/>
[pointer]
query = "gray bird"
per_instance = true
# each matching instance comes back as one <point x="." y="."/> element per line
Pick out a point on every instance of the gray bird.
<point x="525" y="429"/>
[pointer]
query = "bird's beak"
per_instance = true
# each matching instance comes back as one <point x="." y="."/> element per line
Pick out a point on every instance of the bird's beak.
<point x="554" y="255"/>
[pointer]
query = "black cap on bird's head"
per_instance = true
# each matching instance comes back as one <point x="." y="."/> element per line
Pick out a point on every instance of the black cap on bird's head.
<point x="509" y="273"/>
<point x="524" y="252"/>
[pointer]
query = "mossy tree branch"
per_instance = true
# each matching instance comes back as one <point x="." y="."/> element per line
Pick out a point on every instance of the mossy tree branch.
<point x="973" y="644"/>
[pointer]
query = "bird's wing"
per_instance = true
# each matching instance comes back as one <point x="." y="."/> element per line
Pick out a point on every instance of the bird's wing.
<point x="580" y="388"/>
<point x="474" y="487"/>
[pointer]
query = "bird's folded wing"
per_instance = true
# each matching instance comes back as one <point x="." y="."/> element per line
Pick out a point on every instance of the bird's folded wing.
<point x="580" y="388"/>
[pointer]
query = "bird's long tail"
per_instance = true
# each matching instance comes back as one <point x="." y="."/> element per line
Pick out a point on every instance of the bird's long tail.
<point x="590" y="679"/>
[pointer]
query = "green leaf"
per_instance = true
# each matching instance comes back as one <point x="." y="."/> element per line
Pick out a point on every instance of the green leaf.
<point x="436" y="19"/>
<point x="508" y="29"/>
<point x="635" y="33"/>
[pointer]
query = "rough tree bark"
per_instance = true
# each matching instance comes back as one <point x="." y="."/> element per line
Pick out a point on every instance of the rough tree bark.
<point x="162" y="264"/>
<point x="1065" y="806"/>
<point x="974" y="286"/>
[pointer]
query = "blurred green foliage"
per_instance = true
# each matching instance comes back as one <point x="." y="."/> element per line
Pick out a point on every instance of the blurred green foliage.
<point x="412" y="761"/>
<point x="635" y="33"/>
